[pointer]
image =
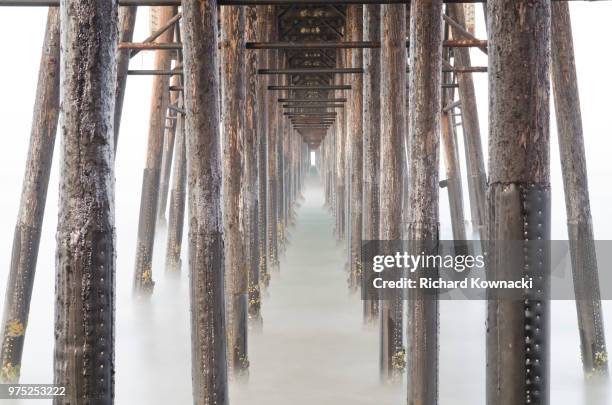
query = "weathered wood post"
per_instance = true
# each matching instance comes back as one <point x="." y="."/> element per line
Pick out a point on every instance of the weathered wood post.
<point x="262" y="164"/>
<point x="168" y="153"/>
<point x="423" y="220"/>
<point x="232" y="79"/>
<point x="143" y="271"/>
<point x="354" y="18"/>
<point x="281" y="167"/>
<point x="127" y="20"/>
<point x="85" y="259"/>
<point x="577" y="204"/>
<point x="518" y="329"/>
<point x="453" y="173"/>
<point x="252" y="133"/>
<point x="273" y="129"/>
<point x="340" y="158"/>
<point x="371" y="139"/>
<point x="392" y="110"/>
<point x="476" y="175"/>
<point x="32" y="206"/>
<point x="176" y="215"/>
<point x="206" y="259"/>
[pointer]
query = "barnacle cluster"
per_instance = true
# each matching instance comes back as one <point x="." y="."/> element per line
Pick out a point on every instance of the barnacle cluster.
<point x="398" y="361"/>
<point x="9" y="373"/>
<point x="15" y="328"/>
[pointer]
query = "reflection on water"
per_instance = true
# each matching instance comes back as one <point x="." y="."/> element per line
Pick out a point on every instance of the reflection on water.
<point x="313" y="348"/>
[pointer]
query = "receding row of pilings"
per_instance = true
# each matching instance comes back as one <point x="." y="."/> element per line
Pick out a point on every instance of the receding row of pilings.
<point x="241" y="165"/>
<point x="241" y="187"/>
<point x="399" y="163"/>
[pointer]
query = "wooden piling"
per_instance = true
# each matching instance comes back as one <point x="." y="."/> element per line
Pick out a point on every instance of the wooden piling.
<point x="127" y="20"/>
<point x="273" y="133"/>
<point x="423" y="218"/>
<point x="176" y="215"/>
<point x="26" y="238"/>
<point x="577" y="204"/>
<point x="340" y="187"/>
<point x="206" y="257"/>
<point x="85" y="260"/>
<point x="476" y="175"/>
<point x="354" y="18"/>
<point x="518" y="330"/>
<point x="392" y="110"/>
<point x="143" y="272"/>
<point x="371" y="140"/>
<point x="232" y="79"/>
<point x="453" y="176"/>
<point x="280" y="173"/>
<point x="252" y="133"/>
<point x="167" y="154"/>
<point x="262" y="159"/>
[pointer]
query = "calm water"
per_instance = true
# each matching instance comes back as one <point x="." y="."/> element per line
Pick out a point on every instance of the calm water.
<point x="313" y="348"/>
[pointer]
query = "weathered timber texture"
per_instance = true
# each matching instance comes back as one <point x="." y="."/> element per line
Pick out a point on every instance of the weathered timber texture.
<point x="232" y="78"/>
<point x="392" y="110"/>
<point x="354" y="18"/>
<point x="85" y="260"/>
<point x="273" y="128"/>
<point x="453" y="174"/>
<point x="371" y="140"/>
<point x="476" y="175"/>
<point x="170" y="122"/>
<point x="32" y="205"/>
<point x="340" y="159"/>
<point x="143" y="271"/>
<point x="575" y="182"/>
<point x="423" y="221"/>
<point x="519" y="198"/>
<point x="250" y="177"/>
<point x="127" y="19"/>
<point x="176" y="215"/>
<point x="262" y="159"/>
<point x="280" y="164"/>
<point x="206" y="258"/>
